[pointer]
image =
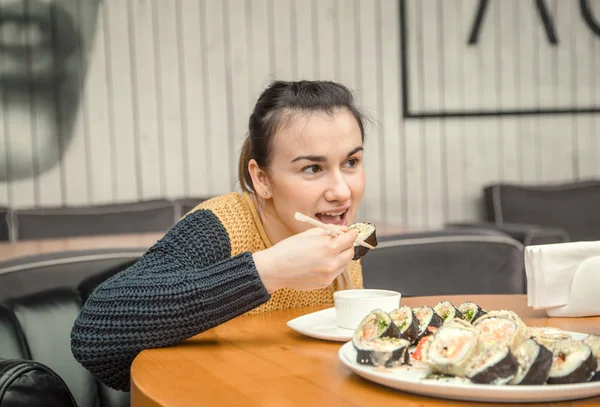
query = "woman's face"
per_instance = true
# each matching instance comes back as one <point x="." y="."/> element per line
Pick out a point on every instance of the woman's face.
<point x="316" y="169"/>
<point x="44" y="46"/>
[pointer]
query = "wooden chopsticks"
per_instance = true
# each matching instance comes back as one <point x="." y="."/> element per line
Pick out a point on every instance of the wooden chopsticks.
<point x="333" y="231"/>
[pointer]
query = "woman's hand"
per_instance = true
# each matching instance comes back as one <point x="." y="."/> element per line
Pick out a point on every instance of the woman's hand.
<point x="306" y="261"/>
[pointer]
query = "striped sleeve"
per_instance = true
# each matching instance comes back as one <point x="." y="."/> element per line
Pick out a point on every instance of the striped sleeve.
<point x="185" y="284"/>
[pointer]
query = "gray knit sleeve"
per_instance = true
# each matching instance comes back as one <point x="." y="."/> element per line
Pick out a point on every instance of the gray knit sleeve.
<point x="185" y="284"/>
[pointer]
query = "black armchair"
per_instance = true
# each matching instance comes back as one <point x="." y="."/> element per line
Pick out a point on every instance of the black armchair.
<point x="36" y="323"/>
<point x="136" y="217"/>
<point x="539" y="214"/>
<point x="5" y="221"/>
<point x="447" y="262"/>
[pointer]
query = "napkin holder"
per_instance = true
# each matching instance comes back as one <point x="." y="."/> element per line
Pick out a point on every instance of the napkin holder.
<point x="584" y="297"/>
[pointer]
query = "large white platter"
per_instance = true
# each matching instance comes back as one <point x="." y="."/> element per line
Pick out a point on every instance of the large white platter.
<point x="411" y="379"/>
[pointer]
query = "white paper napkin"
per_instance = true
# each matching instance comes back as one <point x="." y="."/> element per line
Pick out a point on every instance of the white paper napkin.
<point x="550" y="269"/>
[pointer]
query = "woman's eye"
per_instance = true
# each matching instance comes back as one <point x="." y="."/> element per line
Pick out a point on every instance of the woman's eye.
<point x="311" y="169"/>
<point x="353" y="162"/>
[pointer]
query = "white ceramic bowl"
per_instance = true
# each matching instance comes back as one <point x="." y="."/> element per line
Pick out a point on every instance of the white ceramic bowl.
<point x="351" y="306"/>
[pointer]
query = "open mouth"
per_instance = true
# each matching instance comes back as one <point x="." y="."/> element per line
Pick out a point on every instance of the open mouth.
<point x="35" y="38"/>
<point x="335" y="217"/>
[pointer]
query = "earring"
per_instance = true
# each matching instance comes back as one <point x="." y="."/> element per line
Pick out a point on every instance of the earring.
<point x="265" y="193"/>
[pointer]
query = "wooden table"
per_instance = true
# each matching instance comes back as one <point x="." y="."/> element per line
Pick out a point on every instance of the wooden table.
<point x="259" y="361"/>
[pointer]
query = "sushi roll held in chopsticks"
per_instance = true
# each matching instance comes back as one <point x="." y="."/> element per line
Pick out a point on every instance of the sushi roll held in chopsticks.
<point x="366" y="233"/>
<point x="366" y="239"/>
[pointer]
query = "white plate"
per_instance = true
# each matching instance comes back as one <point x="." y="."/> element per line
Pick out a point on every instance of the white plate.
<point x="409" y="379"/>
<point x="321" y="325"/>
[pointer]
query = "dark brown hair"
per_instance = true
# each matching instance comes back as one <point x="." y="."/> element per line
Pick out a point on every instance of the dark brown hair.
<point x="272" y="112"/>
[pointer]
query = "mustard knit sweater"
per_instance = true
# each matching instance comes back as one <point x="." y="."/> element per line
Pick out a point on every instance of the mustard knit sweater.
<point x="199" y="275"/>
<point x="238" y="214"/>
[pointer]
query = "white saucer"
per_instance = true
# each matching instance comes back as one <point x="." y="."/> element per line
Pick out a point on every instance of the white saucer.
<point x="321" y="325"/>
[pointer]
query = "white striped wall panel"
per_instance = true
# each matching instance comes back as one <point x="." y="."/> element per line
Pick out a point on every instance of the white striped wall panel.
<point x="169" y="86"/>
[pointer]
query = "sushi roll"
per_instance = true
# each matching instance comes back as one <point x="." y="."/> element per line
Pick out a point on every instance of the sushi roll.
<point x="500" y="328"/>
<point x="471" y="311"/>
<point x="427" y="318"/>
<point x="534" y="363"/>
<point x="447" y="311"/>
<point x="495" y="365"/>
<point x="593" y="341"/>
<point x="505" y="314"/>
<point x="366" y="232"/>
<point x="451" y="348"/>
<point x="387" y="352"/>
<point x="573" y="362"/>
<point x="459" y="322"/>
<point x="377" y="324"/>
<point x="407" y="323"/>
<point x="547" y="336"/>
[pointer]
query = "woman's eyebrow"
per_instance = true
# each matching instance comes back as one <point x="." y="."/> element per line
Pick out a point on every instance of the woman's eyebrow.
<point x="316" y="158"/>
<point x="322" y="158"/>
<point x="355" y="150"/>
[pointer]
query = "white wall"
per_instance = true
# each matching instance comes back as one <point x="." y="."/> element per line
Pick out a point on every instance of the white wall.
<point x="170" y="86"/>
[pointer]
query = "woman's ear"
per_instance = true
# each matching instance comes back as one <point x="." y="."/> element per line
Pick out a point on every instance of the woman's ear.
<point x="259" y="179"/>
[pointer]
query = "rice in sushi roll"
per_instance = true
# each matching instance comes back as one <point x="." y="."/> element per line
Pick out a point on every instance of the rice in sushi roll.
<point x="593" y="341"/>
<point x="451" y="348"/>
<point x="546" y="336"/>
<point x="573" y="362"/>
<point x="498" y="327"/>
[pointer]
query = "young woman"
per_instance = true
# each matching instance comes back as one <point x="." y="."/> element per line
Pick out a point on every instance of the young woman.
<point x="243" y="253"/>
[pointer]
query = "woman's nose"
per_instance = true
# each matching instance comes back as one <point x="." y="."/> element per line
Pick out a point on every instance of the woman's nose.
<point x="338" y="189"/>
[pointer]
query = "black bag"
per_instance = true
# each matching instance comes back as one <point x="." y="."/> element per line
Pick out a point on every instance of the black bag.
<point x="32" y="384"/>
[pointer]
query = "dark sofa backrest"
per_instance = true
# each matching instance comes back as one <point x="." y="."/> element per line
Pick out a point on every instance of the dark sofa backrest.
<point x="33" y="274"/>
<point x="572" y="207"/>
<point x="447" y="265"/>
<point x="138" y="217"/>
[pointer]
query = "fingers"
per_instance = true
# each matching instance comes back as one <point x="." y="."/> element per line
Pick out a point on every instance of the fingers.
<point x="347" y="255"/>
<point x="345" y="241"/>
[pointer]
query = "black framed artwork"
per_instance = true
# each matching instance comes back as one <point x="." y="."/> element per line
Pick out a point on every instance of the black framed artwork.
<point x="553" y="40"/>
